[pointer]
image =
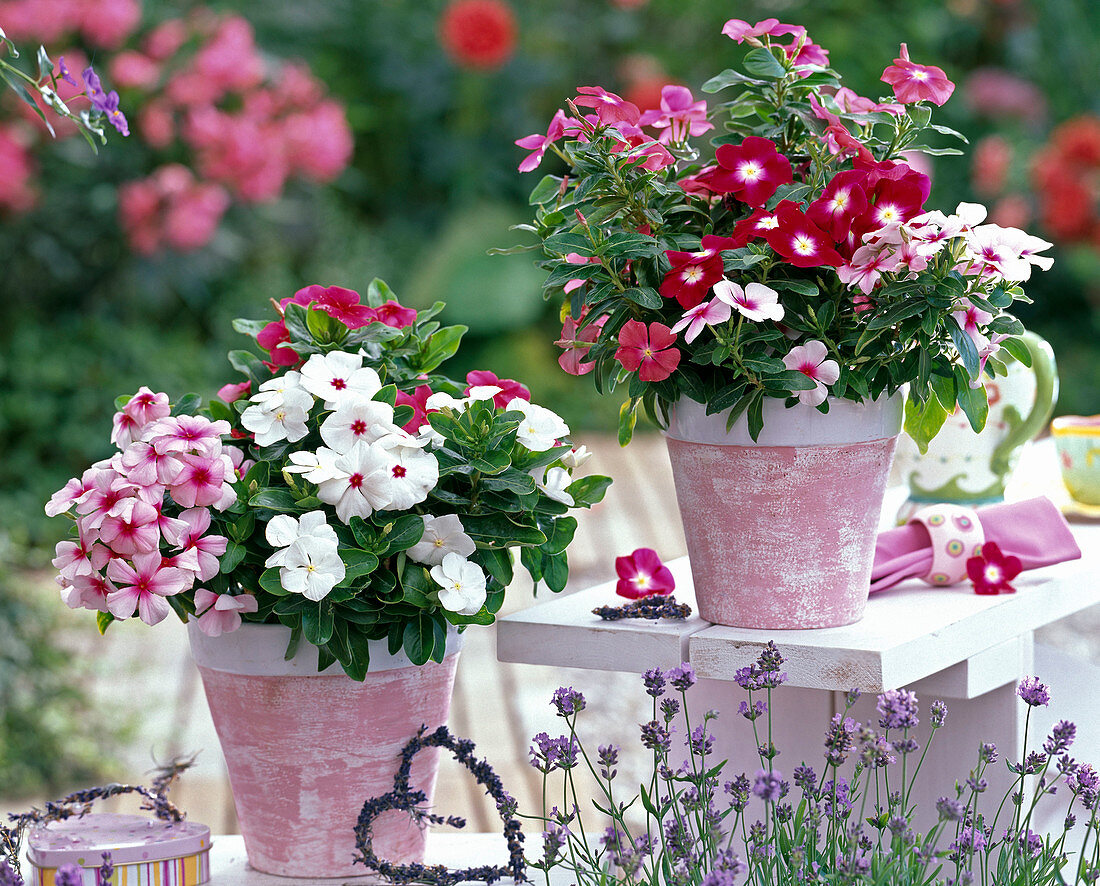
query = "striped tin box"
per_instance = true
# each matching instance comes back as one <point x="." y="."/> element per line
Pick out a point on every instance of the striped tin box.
<point x="145" y="851"/>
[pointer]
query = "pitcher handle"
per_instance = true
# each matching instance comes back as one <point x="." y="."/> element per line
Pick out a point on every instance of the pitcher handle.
<point x="1046" y="393"/>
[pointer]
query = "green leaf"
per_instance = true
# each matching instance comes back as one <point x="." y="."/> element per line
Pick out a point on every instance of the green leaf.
<point x="564" y="243"/>
<point x="756" y="414"/>
<point x="972" y="401"/>
<point x="497" y="562"/>
<point x="510" y="481"/>
<point x="249" y="364"/>
<point x="587" y="491"/>
<point x="441" y="346"/>
<point x="561" y="536"/>
<point x="803" y="287"/>
<point x="896" y="313"/>
<point x="402" y="533"/>
<point x="280" y="500"/>
<point x="496" y="530"/>
<point x="627" y="418"/>
<point x="555" y="572"/>
<point x="645" y="296"/>
<point x="943" y="386"/>
<point x="317" y="623"/>
<point x="791" y="380"/>
<point x="924" y="420"/>
<point x="231" y="559"/>
<point x="726" y="79"/>
<point x="1018" y="350"/>
<point x="103" y="621"/>
<point x="325" y="328"/>
<point x="964" y="344"/>
<point x="358" y="564"/>
<point x="271" y="582"/>
<point x="249" y="327"/>
<point x="378" y="293"/>
<point x="545" y="191"/>
<point x="531" y="559"/>
<point x="418" y="638"/>
<point x="45" y="66"/>
<point x="761" y="63"/>
<point x="188" y="404"/>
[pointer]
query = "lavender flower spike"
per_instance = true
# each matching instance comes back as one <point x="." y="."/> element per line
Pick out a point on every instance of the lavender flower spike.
<point x="1033" y="692"/>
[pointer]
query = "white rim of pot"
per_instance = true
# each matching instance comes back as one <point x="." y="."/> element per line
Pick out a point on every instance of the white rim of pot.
<point x="258" y="650"/>
<point x="846" y="422"/>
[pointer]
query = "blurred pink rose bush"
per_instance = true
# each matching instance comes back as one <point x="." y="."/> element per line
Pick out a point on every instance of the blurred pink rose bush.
<point x="221" y="123"/>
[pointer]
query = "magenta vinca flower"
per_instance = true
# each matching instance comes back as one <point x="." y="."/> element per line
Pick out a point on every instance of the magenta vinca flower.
<point x="610" y="108"/>
<point x="755" y="301"/>
<point x="810" y="360"/>
<point x="642" y="574"/>
<point x="752" y="171"/>
<point x="991" y="571"/>
<point x="679" y="116"/>
<point x="538" y="144"/>
<point x="649" y="352"/>
<point x="801" y="242"/>
<point x="916" y="83"/>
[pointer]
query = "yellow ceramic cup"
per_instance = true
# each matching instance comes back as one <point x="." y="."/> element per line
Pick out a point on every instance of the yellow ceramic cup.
<point x="1077" y="438"/>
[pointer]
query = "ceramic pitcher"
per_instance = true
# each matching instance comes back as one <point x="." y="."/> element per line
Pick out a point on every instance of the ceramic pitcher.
<point x="965" y="467"/>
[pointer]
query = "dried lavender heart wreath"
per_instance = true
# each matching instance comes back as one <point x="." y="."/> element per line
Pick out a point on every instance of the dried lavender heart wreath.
<point x="404" y="798"/>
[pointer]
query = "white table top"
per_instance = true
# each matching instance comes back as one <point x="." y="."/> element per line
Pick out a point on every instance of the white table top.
<point x="909" y="632"/>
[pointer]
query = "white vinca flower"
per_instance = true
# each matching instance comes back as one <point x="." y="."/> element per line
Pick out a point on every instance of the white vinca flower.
<point x="554" y="484"/>
<point x="279" y="418"/>
<point x="355" y="420"/>
<point x="309" y="554"/>
<point x="442" y="536"/>
<point x="337" y="375"/>
<point x="413" y="472"/>
<point x="275" y="390"/>
<point x="462" y="584"/>
<point x="360" y="482"/>
<point x="576" y="457"/>
<point x="540" y="428"/>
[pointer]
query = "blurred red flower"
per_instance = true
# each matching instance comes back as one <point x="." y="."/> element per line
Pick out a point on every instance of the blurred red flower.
<point x="478" y="34"/>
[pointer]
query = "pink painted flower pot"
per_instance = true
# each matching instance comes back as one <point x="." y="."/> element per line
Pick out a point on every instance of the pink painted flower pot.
<point x="305" y="750"/>
<point x="781" y="533"/>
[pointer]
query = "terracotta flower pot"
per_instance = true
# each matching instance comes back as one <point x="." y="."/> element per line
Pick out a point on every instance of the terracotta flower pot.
<point x="781" y="532"/>
<point x="305" y="750"/>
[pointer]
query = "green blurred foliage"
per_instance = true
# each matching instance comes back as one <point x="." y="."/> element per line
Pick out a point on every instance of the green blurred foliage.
<point x="434" y="185"/>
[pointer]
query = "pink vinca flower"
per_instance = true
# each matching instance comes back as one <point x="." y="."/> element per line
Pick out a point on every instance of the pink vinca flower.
<point x="642" y="574"/>
<point x="87" y="592"/>
<point x="142" y="409"/>
<point x="69" y="494"/>
<point x="810" y="360"/>
<point x="755" y="302"/>
<point x="81" y="557"/>
<point x="917" y="83"/>
<point x="143" y="587"/>
<point x="612" y="109"/>
<point x="649" y="352"/>
<point x="704" y="314"/>
<point x="204" y="482"/>
<point x="971" y="319"/>
<point x="221" y="613"/>
<point x="200" y="550"/>
<point x="679" y="116"/>
<point x="866" y="267"/>
<point x="740" y="30"/>
<point x="106" y="488"/>
<point x="188" y="434"/>
<point x="753" y="170"/>
<point x="691" y="275"/>
<point x="141" y="464"/>
<point x="537" y="144"/>
<point x="576" y="341"/>
<point x="131" y="528"/>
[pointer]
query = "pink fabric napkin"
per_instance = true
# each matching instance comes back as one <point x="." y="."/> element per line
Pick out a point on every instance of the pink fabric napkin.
<point x="1033" y="530"/>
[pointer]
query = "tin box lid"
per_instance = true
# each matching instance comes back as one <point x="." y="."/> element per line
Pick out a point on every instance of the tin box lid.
<point x="131" y="839"/>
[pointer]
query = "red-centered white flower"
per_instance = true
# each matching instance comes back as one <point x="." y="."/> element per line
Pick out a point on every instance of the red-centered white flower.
<point x="842" y="201"/>
<point x="970" y="319"/>
<point x="541" y="428"/>
<point x="413" y="472"/>
<point x="187" y="433"/>
<point x="221" y="613"/>
<point x="691" y="276"/>
<point x="610" y="108"/>
<point x="87" y="592"/>
<point x="553" y="483"/>
<point x="279" y="418"/>
<point x="575" y="457"/>
<point x="801" y="242"/>
<point x="134" y="531"/>
<point x="537" y="144"/>
<point x="362" y="485"/>
<point x="649" y="352"/>
<point x="442" y="536"/>
<point x="143" y="587"/>
<point x="461" y="583"/>
<point x="810" y="360"/>
<point x="355" y="420"/>
<point x="81" y="557"/>
<point x="998" y="252"/>
<point x="337" y="375"/>
<point x="755" y="301"/>
<point x="704" y="314"/>
<point x="200" y="550"/>
<point x="679" y="116"/>
<point x="752" y="171"/>
<point x="642" y="574"/>
<point x="917" y="83"/>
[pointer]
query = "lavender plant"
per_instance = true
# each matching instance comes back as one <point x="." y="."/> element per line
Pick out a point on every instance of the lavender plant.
<point x="855" y="822"/>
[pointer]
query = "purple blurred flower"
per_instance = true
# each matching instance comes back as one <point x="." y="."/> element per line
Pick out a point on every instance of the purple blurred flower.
<point x="568" y="701"/>
<point x="897" y="709"/>
<point x="683" y="677"/>
<point x="106" y="103"/>
<point x="769" y="785"/>
<point x="937" y="713"/>
<point x="987" y="751"/>
<point x="64" y="73"/>
<point x="8" y="877"/>
<point x="700" y="743"/>
<point x="758" y="709"/>
<point x="69" y="875"/>
<point x="1033" y="692"/>
<point x="839" y="739"/>
<point x="950" y="809"/>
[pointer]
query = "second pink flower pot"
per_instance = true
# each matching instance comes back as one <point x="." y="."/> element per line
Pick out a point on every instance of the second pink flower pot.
<point x="781" y="532"/>
<point x="306" y="750"/>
